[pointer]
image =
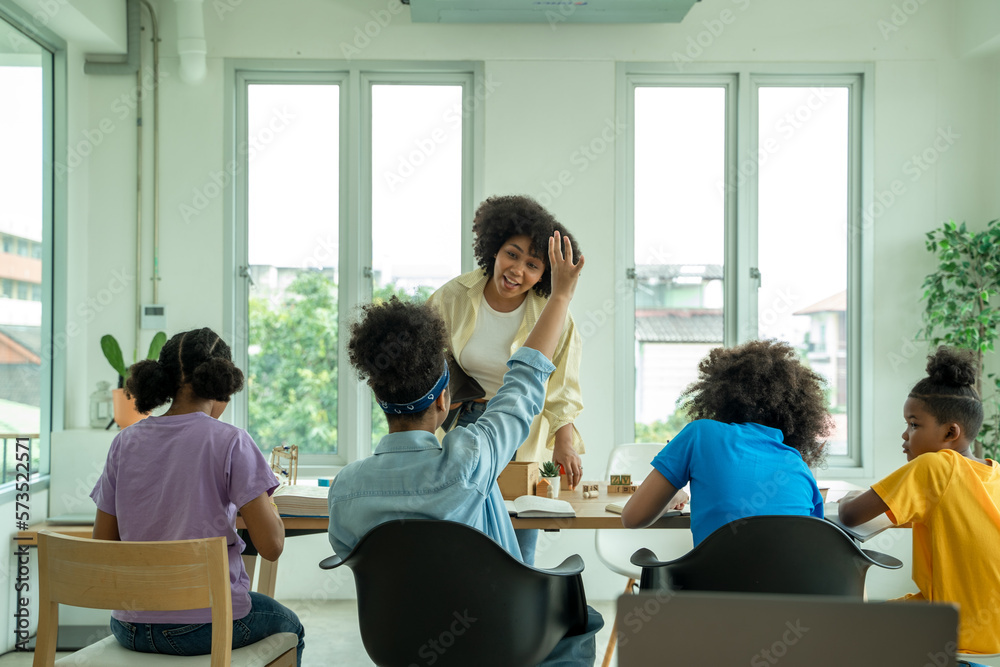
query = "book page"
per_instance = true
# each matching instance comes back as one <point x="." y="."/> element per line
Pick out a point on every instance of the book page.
<point x="863" y="532"/>
<point x="539" y="506"/>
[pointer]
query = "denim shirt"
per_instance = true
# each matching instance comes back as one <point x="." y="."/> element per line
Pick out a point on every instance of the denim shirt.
<point x="413" y="476"/>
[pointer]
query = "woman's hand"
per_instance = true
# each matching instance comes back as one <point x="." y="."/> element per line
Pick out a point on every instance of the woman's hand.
<point x="564" y="455"/>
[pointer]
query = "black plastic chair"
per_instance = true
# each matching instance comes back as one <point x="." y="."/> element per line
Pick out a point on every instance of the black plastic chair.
<point x="443" y="593"/>
<point x="768" y="554"/>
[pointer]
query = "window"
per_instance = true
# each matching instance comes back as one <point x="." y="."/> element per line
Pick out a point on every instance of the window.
<point x="347" y="198"/>
<point x="733" y="236"/>
<point x="29" y="60"/>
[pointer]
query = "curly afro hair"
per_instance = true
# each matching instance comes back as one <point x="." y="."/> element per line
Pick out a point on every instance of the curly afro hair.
<point x="948" y="392"/>
<point x="499" y="218"/>
<point x="763" y="382"/>
<point x="199" y="357"/>
<point x="397" y="347"/>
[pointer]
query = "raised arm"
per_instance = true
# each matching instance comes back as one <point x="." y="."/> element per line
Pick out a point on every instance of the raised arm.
<point x="545" y="335"/>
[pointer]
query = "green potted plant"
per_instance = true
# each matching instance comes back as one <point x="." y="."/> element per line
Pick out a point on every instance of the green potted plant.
<point x="125" y="413"/>
<point x="963" y="309"/>
<point x="550" y="473"/>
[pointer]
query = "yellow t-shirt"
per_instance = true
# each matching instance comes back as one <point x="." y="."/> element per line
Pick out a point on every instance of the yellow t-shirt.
<point x="953" y="504"/>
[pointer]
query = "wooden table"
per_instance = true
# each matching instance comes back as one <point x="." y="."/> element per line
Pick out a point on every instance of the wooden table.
<point x="590" y="513"/>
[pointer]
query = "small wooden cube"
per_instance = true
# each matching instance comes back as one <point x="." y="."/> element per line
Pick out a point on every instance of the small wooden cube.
<point x="621" y="488"/>
<point x="543" y="487"/>
<point x="621" y="480"/>
<point x="589" y="487"/>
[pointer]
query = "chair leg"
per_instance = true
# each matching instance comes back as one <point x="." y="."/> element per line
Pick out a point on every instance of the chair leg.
<point x="614" y="629"/>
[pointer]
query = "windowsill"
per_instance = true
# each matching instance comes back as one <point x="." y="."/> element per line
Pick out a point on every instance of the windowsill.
<point x="8" y="492"/>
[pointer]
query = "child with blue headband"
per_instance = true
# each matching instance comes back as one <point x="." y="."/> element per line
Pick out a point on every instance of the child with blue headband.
<point x="399" y="349"/>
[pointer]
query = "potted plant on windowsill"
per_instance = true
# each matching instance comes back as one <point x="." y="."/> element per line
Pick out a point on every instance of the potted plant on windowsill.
<point x="125" y="413"/>
<point x="550" y="473"/>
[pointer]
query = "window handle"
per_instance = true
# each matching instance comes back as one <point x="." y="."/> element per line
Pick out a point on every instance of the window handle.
<point x="245" y="273"/>
<point x="755" y="274"/>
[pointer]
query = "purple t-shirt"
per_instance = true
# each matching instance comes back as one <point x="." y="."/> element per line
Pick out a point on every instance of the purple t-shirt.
<point x="178" y="478"/>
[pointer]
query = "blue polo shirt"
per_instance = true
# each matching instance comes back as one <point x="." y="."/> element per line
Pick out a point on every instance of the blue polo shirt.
<point x="736" y="471"/>
<point x="413" y="476"/>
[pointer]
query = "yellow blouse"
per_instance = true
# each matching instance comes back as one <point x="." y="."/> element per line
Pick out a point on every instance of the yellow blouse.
<point x="458" y="303"/>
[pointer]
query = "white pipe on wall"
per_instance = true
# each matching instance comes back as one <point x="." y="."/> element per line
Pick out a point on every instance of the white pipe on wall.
<point x="191" y="45"/>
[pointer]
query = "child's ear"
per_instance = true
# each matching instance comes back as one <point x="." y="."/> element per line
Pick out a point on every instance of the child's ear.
<point x="954" y="433"/>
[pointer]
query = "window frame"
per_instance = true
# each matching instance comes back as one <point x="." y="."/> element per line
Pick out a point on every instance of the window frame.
<point x="355" y="281"/>
<point x="54" y="231"/>
<point x="740" y="294"/>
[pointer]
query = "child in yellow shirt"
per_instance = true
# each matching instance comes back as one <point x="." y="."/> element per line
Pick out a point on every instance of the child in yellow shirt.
<point x="951" y="498"/>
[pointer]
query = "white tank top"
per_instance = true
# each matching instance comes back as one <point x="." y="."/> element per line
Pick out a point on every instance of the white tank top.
<point x="485" y="355"/>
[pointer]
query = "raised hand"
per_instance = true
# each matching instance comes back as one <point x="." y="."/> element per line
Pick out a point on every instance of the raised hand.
<point x="565" y="273"/>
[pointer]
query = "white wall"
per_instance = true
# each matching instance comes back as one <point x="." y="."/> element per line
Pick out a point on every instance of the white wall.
<point x="555" y="90"/>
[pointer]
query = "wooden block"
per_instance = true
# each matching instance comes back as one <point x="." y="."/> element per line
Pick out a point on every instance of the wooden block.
<point x="543" y="487"/>
<point x="621" y="488"/>
<point x="518" y="479"/>
<point x="590" y="487"/>
<point x="621" y="480"/>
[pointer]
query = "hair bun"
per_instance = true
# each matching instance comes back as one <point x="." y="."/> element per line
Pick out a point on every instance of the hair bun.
<point x="217" y="379"/>
<point x="953" y="367"/>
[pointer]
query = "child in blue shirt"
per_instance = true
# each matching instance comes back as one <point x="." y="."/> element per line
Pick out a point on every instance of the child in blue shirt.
<point x="759" y="423"/>
<point x="398" y="348"/>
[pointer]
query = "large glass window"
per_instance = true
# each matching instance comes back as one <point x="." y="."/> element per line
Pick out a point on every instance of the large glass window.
<point x="25" y="203"/>
<point x="679" y="250"/>
<point x="347" y="200"/>
<point x="739" y="236"/>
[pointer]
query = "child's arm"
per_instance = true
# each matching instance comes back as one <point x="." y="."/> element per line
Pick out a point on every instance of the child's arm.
<point x="859" y="506"/>
<point x="106" y="527"/>
<point x="545" y="335"/>
<point x="650" y="500"/>
<point x="265" y="526"/>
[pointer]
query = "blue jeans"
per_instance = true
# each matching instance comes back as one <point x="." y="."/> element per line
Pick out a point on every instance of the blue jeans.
<point x="527" y="538"/>
<point x="267" y="617"/>
<point x="579" y="650"/>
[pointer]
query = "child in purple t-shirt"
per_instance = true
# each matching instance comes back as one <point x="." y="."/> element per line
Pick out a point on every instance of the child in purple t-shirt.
<point x="184" y="475"/>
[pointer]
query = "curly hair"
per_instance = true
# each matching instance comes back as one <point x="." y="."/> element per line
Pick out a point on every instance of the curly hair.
<point x="199" y="357"/>
<point x="948" y="392"/>
<point x="763" y="382"/>
<point x="499" y="218"/>
<point x="397" y="347"/>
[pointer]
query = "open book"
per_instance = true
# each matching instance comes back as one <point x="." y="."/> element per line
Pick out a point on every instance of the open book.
<point x="528" y="507"/>
<point x="301" y="500"/>
<point x="863" y="532"/>
<point x="616" y="508"/>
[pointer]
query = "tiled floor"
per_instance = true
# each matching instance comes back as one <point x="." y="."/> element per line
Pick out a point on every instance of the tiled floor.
<point x="332" y="632"/>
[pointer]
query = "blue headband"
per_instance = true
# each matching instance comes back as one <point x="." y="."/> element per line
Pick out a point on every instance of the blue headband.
<point x="421" y="403"/>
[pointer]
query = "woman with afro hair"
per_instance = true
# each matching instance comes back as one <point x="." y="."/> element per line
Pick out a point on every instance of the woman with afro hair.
<point x="760" y="421"/>
<point x="183" y="475"/>
<point x="489" y="313"/>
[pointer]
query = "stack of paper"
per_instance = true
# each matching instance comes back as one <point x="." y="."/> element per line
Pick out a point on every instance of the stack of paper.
<point x="301" y="500"/>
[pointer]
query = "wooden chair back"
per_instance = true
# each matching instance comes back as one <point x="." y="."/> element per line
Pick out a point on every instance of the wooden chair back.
<point x="148" y="576"/>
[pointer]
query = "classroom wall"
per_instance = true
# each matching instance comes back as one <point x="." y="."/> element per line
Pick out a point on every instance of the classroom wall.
<point x="554" y="90"/>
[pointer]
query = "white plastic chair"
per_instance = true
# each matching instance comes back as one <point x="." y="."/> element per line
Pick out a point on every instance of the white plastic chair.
<point x="615" y="547"/>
